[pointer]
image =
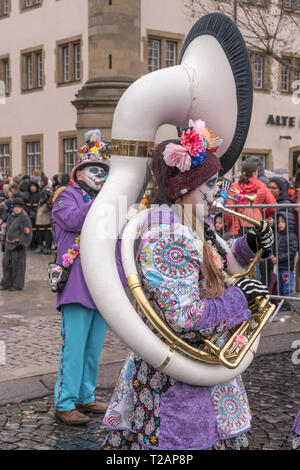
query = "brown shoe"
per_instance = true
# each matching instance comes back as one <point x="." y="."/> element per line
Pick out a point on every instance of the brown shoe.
<point x="72" y="417"/>
<point x="94" y="407"/>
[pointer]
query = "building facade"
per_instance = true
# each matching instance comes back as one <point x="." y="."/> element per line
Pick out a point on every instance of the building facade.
<point x="72" y="60"/>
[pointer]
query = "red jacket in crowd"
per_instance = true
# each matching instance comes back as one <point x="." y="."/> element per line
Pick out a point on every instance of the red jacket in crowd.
<point x="263" y="196"/>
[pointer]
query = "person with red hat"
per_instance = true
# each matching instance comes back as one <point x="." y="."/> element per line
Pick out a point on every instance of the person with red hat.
<point x="83" y="327"/>
<point x="185" y="271"/>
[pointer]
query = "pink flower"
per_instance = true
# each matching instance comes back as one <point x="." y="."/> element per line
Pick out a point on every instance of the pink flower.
<point x="193" y="142"/>
<point x="241" y="339"/>
<point x="212" y="141"/>
<point x="67" y="260"/>
<point x="176" y="155"/>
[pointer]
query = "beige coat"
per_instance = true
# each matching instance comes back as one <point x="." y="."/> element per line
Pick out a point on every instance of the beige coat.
<point x="43" y="216"/>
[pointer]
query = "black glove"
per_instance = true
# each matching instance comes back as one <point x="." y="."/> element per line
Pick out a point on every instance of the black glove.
<point x="251" y="288"/>
<point x="264" y="236"/>
<point x="2" y="248"/>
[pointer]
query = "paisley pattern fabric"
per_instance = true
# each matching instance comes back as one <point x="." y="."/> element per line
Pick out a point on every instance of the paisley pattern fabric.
<point x="296" y="440"/>
<point x="150" y="410"/>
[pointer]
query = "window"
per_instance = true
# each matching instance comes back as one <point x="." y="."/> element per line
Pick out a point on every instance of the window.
<point x="287" y="4"/>
<point x="69" y="66"/>
<point x="260" y="156"/>
<point x="32" y="153"/>
<point x="258" y="71"/>
<point x="4" y="8"/>
<point x="153" y="54"/>
<point x="259" y="3"/>
<point x="161" y="49"/>
<point x="70" y="154"/>
<point x="291" y="6"/>
<point x="32" y="75"/>
<point x="5" y="158"/>
<point x="5" y="74"/>
<point x="289" y="75"/>
<point x="28" y="4"/>
<point x="171" y="53"/>
<point x="33" y="157"/>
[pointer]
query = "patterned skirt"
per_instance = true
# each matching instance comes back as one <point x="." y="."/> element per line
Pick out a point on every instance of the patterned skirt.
<point x="126" y="440"/>
<point x="296" y="442"/>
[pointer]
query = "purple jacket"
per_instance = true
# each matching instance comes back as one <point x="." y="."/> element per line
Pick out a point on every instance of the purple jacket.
<point x="68" y="215"/>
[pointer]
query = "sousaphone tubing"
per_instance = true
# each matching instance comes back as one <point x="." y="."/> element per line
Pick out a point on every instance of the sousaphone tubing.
<point x="212" y="82"/>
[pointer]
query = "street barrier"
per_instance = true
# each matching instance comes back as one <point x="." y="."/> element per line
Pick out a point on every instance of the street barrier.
<point x="284" y="284"/>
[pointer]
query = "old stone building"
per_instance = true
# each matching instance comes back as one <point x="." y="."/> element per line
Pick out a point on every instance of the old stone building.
<point x="71" y="61"/>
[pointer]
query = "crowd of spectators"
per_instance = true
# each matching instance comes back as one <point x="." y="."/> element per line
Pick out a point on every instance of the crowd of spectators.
<point x="282" y="269"/>
<point x="37" y="192"/>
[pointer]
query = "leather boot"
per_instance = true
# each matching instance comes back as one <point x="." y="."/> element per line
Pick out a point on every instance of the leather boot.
<point x="94" y="407"/>
<point x="72" y="417"/>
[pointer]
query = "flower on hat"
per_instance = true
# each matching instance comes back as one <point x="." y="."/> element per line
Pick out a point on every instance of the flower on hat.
<point x="212" y="141"/>
<point x="195" y="141"/>
<point x="85" y="149"/>
<point x="192" y="141"/>
<point x="176" y="155"/>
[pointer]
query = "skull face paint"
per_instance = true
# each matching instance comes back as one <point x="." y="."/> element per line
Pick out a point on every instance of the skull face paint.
<point x="203" y="196"/>
<point x="94" y="177"/>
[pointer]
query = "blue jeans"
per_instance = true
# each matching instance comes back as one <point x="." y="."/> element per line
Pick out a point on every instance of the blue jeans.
<point x="83" y="332"/>
<point x="286" y="282"/>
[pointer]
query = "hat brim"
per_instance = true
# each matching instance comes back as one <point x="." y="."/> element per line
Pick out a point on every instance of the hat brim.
<point x="86" y="164"/>
<point x="232" y="122"/>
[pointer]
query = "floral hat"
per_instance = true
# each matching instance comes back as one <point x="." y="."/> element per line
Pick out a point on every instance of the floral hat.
<point x="181" y="166"/>
<point x="95" y="152"/>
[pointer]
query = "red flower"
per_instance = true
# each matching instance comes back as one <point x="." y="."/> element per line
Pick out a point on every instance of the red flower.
<point x="191" y="140"/>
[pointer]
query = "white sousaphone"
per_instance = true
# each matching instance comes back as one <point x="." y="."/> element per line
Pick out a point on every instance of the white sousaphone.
<point x="213" y="82"/>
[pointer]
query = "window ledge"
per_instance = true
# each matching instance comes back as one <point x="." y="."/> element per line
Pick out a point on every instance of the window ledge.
<point x="32" y="90"/>
<point x="70" y="83"/>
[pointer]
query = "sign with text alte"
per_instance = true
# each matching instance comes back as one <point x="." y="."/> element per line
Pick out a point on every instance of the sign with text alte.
<point x="283" y="121"/>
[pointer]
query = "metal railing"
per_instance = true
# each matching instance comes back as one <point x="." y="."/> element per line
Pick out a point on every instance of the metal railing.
<point x="266" y="268"/>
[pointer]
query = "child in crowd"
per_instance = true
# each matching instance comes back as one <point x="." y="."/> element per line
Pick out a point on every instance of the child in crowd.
<point x="18" y="235"/>
<point x="219" y="226"/>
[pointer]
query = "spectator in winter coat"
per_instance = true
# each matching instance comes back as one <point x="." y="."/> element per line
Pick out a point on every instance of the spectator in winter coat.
<point x="24" y="184"/>
<point x="43" y="217"/>
<point x="279" y="187"/>
<point x="286" y="249"/>
<point x="250" y="185"/>
<point x="17" y="238"/>
<point x="31" y="199"/>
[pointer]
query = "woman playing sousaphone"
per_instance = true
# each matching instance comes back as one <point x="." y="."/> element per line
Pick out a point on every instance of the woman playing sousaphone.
<point x="185" y="274"/>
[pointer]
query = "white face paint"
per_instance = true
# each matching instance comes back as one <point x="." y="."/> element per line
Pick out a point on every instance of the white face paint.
<point x="94" y="177"/>
<point x="203" y="196"/>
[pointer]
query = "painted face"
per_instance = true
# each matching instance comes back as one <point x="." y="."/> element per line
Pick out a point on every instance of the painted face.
<point x="204" y="195"/>
<point x="94" y="177"/>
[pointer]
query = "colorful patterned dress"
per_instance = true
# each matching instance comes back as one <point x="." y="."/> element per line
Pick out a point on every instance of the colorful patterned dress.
<point x="151" y="410"/>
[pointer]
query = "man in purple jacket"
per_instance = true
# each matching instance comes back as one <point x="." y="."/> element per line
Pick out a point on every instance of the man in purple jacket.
<point x="83" y="327"/>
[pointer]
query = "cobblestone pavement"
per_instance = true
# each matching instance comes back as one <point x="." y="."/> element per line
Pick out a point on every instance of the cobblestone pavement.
<point x="30" y="324"/>
<point x="273" y="387"/>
